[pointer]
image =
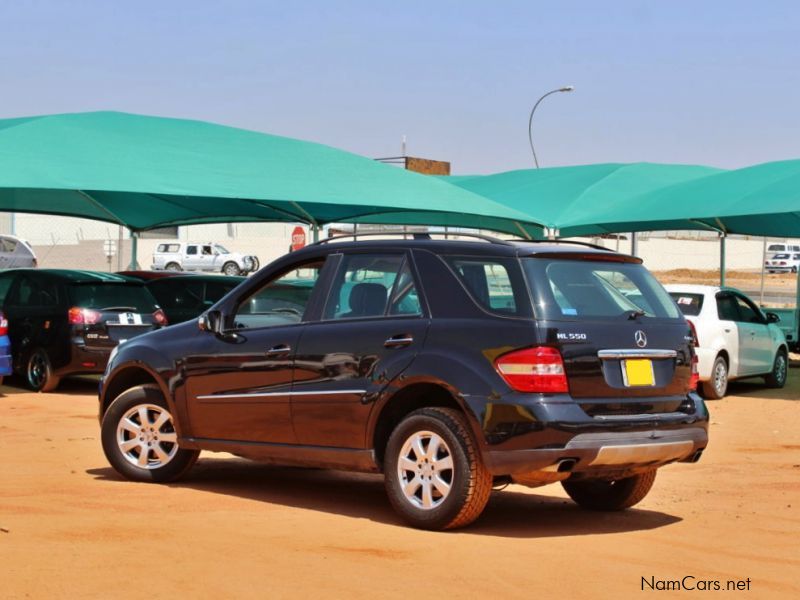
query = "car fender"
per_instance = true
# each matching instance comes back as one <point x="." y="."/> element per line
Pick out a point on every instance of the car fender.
<point x="472" y="393"/>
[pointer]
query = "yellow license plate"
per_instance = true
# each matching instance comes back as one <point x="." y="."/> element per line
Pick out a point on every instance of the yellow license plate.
<point x="638" y="372"/>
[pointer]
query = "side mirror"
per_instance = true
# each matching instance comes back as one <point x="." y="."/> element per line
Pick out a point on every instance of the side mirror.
<point x="211" y="321"/>
<point x="773" y="318"/>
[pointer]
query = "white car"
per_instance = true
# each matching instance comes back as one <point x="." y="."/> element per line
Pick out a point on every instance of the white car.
<point x="208" y="257"/>
<point x="16" y="253"/>
<point x="783" y="263"/>
<point x="734" y="337"/>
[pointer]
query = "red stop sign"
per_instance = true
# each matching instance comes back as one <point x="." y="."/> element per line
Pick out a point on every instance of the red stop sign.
<point x="298" y="238"/>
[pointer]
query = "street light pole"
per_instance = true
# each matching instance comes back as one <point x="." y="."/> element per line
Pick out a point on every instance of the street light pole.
<point x="566" y="88"/>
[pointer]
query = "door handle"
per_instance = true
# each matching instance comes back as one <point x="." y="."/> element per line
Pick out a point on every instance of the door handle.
<point x="279" y="349"/>
<point x="402" y="339"/>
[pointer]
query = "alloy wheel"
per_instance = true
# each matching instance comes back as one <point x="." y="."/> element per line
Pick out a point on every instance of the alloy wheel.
<point x="146" y="436"/>
<point x="425" y="470"/>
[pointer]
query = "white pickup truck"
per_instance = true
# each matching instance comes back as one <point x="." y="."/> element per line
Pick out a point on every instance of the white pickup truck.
<point x="209" y="257"/>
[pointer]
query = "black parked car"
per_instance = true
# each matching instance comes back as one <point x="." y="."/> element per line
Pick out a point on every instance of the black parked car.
<point x="64" y="322"/>
<point x="185" y="297"/>
<point x="450" y="366"/>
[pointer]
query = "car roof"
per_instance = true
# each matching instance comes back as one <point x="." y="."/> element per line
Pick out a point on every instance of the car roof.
<point x="79" y="276"/>
<point x="512" y="248"/>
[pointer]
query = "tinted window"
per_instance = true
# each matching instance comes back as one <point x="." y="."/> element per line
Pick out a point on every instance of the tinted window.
<point x="191" y="250"/>
<point x="362" y="286"/>
<point x="747" y="312"/>
<point x="690" y="304"/>
<point x="570" y="289"/>
<point x="180" y="294"/>
<point x="5" y="284"/>
<point x="405" y="299"/>
<point x="24" y="293"/>
<point x="727" y="308"/>
<point x="118" y="296"/>
<point x="281" y="301"/>
<point x="494" y="283"/>
<point x="776" y="248"/>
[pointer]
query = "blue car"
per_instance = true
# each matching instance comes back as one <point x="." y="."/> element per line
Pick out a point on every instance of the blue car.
<point x="5" y="349"/>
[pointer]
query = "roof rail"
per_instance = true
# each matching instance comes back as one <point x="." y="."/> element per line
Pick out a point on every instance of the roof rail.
<point x="416" y="235"/>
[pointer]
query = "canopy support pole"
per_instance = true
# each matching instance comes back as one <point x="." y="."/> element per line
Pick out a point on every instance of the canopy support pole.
<point x="311" y="220"/>
<point x="722" y="238"/>
<point x="134" y="266"/>
<point x="634" y="244"/>
<point x="763" y="267"/>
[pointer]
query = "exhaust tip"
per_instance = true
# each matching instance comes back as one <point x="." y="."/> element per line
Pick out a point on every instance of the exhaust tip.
<point x="566" y="465"/>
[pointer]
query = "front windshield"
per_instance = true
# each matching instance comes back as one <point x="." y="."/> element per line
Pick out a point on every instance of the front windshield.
<point x="220" y="249"/>
<point x="570" y="289"/>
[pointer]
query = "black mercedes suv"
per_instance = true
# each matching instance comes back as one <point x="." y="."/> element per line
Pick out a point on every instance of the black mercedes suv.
<point x="449" y="366"/>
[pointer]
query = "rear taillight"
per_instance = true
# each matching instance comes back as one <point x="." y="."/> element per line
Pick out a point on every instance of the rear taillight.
<point x="83" y="316"/>
<point x="160" y="318"/>
<point x="3" y="324"/>
<point x="693" y="332"/>
<point x="695" y="378"/>
<point x="539" y="369"/>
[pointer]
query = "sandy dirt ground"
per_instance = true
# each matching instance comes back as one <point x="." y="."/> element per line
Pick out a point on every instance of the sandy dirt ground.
<point x="234" y="529"/>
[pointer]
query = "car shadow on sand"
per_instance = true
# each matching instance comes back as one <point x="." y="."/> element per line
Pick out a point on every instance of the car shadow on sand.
<point x="508" y="514"/>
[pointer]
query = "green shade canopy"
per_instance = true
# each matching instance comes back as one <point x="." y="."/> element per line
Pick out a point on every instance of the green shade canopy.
<point x="146" y="172"/>
<point x="760" y="200"/>
<point x="573" y="200"/>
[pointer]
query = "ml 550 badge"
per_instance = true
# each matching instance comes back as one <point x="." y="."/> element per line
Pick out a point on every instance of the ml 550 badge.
<point x="571" y="337"/>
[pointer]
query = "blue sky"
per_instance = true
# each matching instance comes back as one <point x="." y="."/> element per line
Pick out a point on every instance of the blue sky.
<point x="696" y="82"/>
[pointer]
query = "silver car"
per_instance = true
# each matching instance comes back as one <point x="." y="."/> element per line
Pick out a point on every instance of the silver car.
<point x="16" y="253"/>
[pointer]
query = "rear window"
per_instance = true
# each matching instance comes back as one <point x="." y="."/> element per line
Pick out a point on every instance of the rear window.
<point x="168" y="248"/>
<point x="776" y="248"/>
<point x="690" y="304"/>
<point x="583" y="289"/>
<point x="107" y="296"/>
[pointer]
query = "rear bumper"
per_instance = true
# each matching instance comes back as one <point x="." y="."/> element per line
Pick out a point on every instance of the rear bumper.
<point x="83" y="360"/>
<point x="600" y="452"/>
<point x="536" y="434"/>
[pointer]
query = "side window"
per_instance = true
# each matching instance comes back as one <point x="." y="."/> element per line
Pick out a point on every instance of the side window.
<point x="727" y="308"/>
<point x="24" y="293"/>
<point x="191" y="250"/>
<point x="216" y="290"/>
<point x="405" y="299"/>
<point x="282" y="300"/>
<point x="161" y="248"/>
<point x="5" y="285"/>
<point x="207" y="251"/>
<point x="489" y="282"/>
<point x="363" y="286"/>
<point x="748" y="313"/>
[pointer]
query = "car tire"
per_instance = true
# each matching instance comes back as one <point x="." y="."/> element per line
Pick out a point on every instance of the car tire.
<point x="231" y="268"/>
<point x="39" y="372"/>
<point x="149" y="453"/>
<point x="610" y="495"/>
<point x="173" y="266"/>
<point x="716" y="387"/>
<point x="453" y="499"/>
<point x="780" y="369"/>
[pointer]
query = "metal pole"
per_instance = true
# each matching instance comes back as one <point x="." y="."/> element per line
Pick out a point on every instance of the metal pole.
<point x="120" y="238"/>
<point x="314" y="233"/>
<point x="763" y="266"/>
<point x="634" y="244"/>
<point x="134" y="266"/>
<point x="722" y="260"/>
<point x="567" y="88"/>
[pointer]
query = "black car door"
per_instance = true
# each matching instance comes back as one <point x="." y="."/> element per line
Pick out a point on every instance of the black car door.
<point x="238" y="383"/>
<point x="371" y="328"/>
